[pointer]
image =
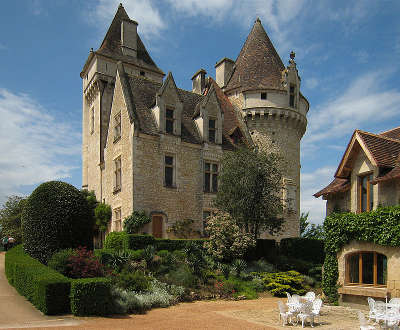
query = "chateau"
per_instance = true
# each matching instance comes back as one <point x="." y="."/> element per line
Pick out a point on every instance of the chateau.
<point x="148" y="145"/>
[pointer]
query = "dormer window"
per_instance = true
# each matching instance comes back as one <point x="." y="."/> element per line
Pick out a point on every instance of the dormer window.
<point x="212" y="130"/>
<point x="263" y="96"/>
<point x="169" y="121"/>
<point x="291" y="95"/>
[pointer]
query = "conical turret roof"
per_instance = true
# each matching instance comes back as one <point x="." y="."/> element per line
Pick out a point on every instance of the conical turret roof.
<point x="111" y="45"/>
<point x="258" y="65"/>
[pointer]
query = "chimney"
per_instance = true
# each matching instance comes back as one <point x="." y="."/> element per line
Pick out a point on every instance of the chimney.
<point x="199" y="81"/>
<point x="223" y="70"/>
<point x="129" y="37"/>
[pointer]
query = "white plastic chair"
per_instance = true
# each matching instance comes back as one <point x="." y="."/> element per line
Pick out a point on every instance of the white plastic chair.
<point x="394" y="301"/>
<point x="363" y="322"/>
<point x="316" y="307"/>
<point x="306" y="313"/>
<point x="284" y="314"/>
<point x="371" y="304"/>
<point x="380" y="311"/>
<point x="310" y="296"/>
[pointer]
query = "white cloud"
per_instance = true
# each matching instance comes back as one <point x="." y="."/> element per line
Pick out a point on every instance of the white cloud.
<point x="359" y="104"/>
<point x="142" y="11"/>
<point x="311" y="83"/>
<point x="32" y="144"/>
<point x="310" y="184"/>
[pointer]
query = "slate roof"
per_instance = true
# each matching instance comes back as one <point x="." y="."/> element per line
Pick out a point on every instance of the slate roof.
<point x="111" y="45"/>
<point x="258" y="65"/>
<point x="142" y="93"/>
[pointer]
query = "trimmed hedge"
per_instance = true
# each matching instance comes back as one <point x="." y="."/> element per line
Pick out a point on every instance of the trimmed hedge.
<point x="91" y="296"/>
<point x="176" y="244"/>
<point x="303" y="248"/>
<point x="138" y="242"/>
<point x="265" y="248"/>
<point x="45" y="288"/>
<point x="56" y="216"/>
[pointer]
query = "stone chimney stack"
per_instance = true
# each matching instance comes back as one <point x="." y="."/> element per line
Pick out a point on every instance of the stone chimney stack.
<point x="129" y="37"/>
<point x="199" y="81"/>
<point x="223" y="70"/>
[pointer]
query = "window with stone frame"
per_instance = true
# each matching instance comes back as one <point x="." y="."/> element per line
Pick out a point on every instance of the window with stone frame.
<point x="169" y="171"/>
<point x="117" y="224"/>
<point x="169" y="121"/>
<point x="292" y="90"/>
<point x="263" y="96"/>
<point x="117" y="174"/>
<point x="210" y="177"/>
<point x="206" y="214"/>
<point x="117" y="126"/>
<point x="365" y="193"/>
<point x="91" y="124"/>
<point x="212" y="129"/>
<point x="366" y="268"/>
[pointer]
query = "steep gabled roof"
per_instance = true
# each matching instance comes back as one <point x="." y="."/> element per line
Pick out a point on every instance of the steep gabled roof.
<point x="393" y="133"/>
<point x="258" y="65"/>
<point x="381" y="150"/>
<point x="111" y="45"/>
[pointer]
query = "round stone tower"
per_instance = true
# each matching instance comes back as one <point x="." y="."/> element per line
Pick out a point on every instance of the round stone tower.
<point x="267" y="94"/>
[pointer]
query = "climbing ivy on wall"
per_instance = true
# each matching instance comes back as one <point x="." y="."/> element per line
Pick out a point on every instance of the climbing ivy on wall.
<point x="380" y="227"/>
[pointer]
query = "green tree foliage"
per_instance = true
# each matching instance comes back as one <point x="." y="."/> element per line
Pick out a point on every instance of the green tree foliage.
<point x="10" y="218"/>
<point x="102" y="215"/>
<point x="56" y="216"/>
<point x="133" y="223"/>
<point x="310" y="230"/>
<point x="183" y="228"/>
<point x="250" y="188"/>
<point x="227" y="241"/>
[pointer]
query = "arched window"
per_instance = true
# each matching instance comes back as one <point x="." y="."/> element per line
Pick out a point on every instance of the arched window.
<point x="366" y="268"/>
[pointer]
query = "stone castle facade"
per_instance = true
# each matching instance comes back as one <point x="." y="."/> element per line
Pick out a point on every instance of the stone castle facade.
<point x="148" y="145"/>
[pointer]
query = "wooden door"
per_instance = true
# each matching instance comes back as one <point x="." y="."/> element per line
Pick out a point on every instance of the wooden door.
<point x="157" y="221"/>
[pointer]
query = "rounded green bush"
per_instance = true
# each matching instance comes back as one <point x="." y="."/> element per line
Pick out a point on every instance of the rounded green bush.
<point x="56" y="217"/>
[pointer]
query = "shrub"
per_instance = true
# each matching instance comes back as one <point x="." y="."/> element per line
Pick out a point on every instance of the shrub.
<point x="84" y="264"/>
<point x="102" y="214"/>
<point x="91" y="296"/>
<point x="182" y="276"/>
<point x="316" y="273"/>
<point x="307" y="249"/>
<point x="287" y="263"/>
<point x="136" y="281"/>
<point x="60" y="261"/>
<point x="280" y="283"/>
<point x="117" y="241"/>
<point x="227" y="241"/>
<point x="183" y="228"/>
<point x="45" y="288"/>
<point x="177" y="244"/>
<point x="264" y="249"/>
<point x="136" y="242"/>
<point x="238" y="266"/>
<point x="135" y="222"/>
<point x="56" y="216"/>
<point x="260" y="266"/>
<point x="195" y="258"/>
<point x="10" y="218"/>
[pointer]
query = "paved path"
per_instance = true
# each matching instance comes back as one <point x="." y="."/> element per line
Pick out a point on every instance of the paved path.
<point x="17" y="312"/>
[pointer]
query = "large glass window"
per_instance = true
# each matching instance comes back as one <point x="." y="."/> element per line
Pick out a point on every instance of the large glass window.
<point x="365" y="193"/>
<point x="366" y="268"/>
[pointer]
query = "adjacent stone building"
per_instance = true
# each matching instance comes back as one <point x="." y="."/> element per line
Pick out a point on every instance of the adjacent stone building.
<point x="148" y="145"/>
<point x="367" y="177"/>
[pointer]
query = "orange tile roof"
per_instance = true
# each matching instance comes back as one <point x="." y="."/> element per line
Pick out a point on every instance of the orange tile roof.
<point x="337" y="185"/>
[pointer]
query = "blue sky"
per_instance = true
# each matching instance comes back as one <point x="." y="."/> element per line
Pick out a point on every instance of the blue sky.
<point x="347" y="54"/>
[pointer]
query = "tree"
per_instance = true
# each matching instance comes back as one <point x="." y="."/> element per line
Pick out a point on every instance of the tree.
<point x="310" y="230"/>
<point x="250" y="189"/>
<point x="226" y="240"/>
<point x="102" y="215"/>
<point x="10" y="217"/>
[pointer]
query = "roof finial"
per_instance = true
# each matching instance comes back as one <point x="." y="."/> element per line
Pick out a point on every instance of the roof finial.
<point x="292" y="55"/>
<point x="120" y="5"/>
<point x="258" y="20"/>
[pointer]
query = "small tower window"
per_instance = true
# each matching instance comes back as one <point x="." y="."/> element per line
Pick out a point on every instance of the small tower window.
<point x="91" y="121"/>
<point x="169" y="171"/>
<point x="169" y="121"/>
<point x="291" y="97"/>
<point x="117" y="127"/>
<point x="142" y="73"/>
<point x="263" y="96"/>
